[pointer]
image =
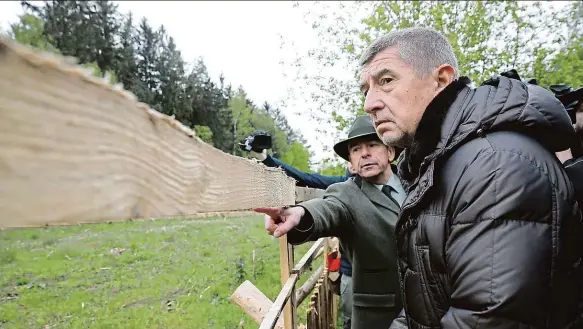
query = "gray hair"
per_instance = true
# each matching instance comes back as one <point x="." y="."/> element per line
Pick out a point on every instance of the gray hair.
<point x="424" y="49"/>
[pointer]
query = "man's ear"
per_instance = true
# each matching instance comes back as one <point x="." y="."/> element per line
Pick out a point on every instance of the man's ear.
<point x="391" y="151"/>
<point x="351" y="168"/>
<point x="444" y="75"/>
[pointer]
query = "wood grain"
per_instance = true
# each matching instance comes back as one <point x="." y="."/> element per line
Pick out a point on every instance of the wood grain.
<point x="254" y="303"/>
<point x="75" y="150"/>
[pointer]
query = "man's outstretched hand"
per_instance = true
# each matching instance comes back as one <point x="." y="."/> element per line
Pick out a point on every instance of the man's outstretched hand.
<point x="280" y="220"/>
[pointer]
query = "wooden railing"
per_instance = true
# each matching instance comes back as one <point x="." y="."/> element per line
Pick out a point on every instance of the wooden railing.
<point x="268" y="314"/>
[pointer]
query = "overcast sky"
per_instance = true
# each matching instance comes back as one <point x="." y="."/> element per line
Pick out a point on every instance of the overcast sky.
<point x="238" y="38"/>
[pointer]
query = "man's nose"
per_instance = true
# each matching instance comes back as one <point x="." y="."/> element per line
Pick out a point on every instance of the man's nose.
<point x="364" y="152"/>
<point x="372" y="102"/>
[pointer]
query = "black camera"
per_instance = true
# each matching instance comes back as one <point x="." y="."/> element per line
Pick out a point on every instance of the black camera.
<point x="257" y="142"/>
<point x="569" y="98"/>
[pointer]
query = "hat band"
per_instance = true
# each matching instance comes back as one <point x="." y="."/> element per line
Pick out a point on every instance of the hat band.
<point x="361" y="131"/>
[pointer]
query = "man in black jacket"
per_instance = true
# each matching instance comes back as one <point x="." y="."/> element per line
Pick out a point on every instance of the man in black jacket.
<point x="489" y="235"/>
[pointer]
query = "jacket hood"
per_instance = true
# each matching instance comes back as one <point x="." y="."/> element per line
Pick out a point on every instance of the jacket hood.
<point x="502" y="104"/>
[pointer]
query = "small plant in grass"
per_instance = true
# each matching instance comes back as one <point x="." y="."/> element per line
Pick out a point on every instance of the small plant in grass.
<point x="240" y="273"/>
<point x="258" y="265"/>
<point x="7" y="256"/>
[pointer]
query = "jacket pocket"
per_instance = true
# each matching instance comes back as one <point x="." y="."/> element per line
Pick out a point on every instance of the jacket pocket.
<point x="373" y="311"/>
<point x="433" y="289"/>
<point x="372" y="300"/>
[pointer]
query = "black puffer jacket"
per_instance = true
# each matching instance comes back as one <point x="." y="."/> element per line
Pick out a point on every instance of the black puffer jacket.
<point x="490" y="234"/>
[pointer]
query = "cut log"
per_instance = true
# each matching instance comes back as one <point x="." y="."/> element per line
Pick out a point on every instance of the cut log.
<point x="253" y="302"/>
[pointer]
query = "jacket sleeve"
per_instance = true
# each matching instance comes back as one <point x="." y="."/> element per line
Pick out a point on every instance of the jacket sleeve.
<point x="502" y="242"/>
<point x="326" y="216"/>
<point x="304" y="178"/>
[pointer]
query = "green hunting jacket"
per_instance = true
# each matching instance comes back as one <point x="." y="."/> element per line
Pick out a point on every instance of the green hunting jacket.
<point x="364" y="219"/>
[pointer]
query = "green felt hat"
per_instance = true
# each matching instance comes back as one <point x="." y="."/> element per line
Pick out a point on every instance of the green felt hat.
<point x="361" y="127"/>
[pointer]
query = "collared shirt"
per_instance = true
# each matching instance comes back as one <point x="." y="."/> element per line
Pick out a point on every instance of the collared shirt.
<point x="397" y="191"/>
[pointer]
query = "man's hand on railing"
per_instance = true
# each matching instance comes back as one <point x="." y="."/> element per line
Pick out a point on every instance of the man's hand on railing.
<point x="280" y="220"/>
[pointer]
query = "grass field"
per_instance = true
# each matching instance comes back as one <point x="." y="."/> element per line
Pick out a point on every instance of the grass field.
<point x="143" y="274"/>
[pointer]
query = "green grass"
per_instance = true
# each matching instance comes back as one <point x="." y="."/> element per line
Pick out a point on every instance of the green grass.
<point x="150" y="274"/>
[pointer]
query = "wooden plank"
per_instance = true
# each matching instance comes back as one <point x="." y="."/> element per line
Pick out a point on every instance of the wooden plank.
<point x="200" y="216"/>
<point x="74" y="149"/>
<point x="275" y="311"/>
<point x="253" y="302"/>
<point x="210" y="214"/>
<point x="237" y="213"/>
<point x="307" y="259"/>
<point x="306" y="193"/>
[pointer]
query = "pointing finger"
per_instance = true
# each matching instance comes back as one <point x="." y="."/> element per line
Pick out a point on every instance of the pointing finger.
<point x="270" y="211"/>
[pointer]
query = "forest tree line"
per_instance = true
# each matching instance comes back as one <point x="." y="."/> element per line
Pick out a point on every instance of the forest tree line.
<point x="147" y="61"/>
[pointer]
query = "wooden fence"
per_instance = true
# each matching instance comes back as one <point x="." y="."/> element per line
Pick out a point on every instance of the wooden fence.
<point x="74" y="149"/>
<point x="323" y="305"/>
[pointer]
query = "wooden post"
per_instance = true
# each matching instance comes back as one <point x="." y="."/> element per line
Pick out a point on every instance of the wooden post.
<point x="292" y="298"/>
<point x="335" y="310"/>
<point x="286" y="264"/>
<point x="311" y="319"/>
<point x="325" y="303"/>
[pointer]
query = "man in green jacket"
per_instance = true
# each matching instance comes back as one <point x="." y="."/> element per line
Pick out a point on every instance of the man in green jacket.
<point x="362" y="213"/>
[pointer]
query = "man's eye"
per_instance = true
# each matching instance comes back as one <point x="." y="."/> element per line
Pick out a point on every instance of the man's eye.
<point x="384" y="81"/>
